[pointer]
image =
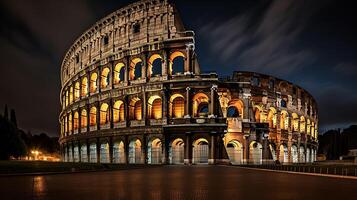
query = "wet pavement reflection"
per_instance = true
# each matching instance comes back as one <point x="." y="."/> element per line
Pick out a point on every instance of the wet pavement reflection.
<point x="177" y="182"/>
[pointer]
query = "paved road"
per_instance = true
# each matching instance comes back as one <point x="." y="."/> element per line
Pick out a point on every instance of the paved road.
<point x="177" y="182"/>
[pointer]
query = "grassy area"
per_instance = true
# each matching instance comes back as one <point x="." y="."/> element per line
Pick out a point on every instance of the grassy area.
<point x="18" y="167"/>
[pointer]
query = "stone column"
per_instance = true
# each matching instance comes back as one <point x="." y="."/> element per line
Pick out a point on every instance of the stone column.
<point x="165" y="106"/>
<point x="98" y="150"/>
<point x="187" y="68"/>
<point x="246" y="152"/>
<point x="144" y="150"/>
<point x="212" y="157"/>
<point x="111" y="150"/>
<point x="165" y="65"/>
<point x="187" y="103"/>
<point x="188" y="149"/>
<point x="212" y="107"/>
<point x="126" y="149"/>
<point x="144" y="105"/>
<point x="265" y="148"/>
<point x="127" y="68"/>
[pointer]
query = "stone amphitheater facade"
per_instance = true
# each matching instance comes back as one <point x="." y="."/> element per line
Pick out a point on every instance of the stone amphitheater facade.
<point x="132" y="92"/>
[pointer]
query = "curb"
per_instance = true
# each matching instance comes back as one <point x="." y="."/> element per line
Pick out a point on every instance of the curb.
<point x="68" y="172"/>
<point x="299" y="173"/>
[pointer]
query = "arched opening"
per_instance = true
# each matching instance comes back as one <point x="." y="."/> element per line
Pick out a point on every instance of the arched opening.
<point x="104" y="114"/>
<point x="155" y="151"/>
<point x="176" y="153"/>
<point x="93" y="116"/>
<point x="104" y="153"/>
<point x="93" y="82"/>
<point x="84" y="157"/>
<point x="295" y="122"/>
<point x="84" y="91"/>
<point x="235" y="152"/>
<point x="255" y="153"/>
<point x="135" y="152"/>
<point x="308" y="155"/>
<point x="118" y="152"/>
<point x="155" y="107"/>
<point x="135" y="72"/>
<point x="302" y="124"/>
<point x="294" y="154"/>
<point x="67" y="98"/>
<point x="76" y="121"/>
<point x="118" y="112"/>
<point x="71" y="95"/>
<point x="75" y="154"/>
<point x="70" y="127"/>
<point x="272" y="118"/>
<point x="84" y="119"/>
<point x="119" y="73"/>
<point x="105" y="78"/>
<point x="284" y="120"/>
<point x="177" y="63"/>
<point x="177" y="106"/>
<point x="93" y="153"/>
<point x="155" y="65"/>
<point x="308" y="127"/>
<point x="283" y="154"/>
<point x="302" y="157"/>
<point x="70" y="154"/>
<point x="200" y="151"/>
<point x="77" y="91"/>
<point x="235" y="109"/>
<point x="313" y="129"/>
<point x="136" y="109"/>
<point x="200" y="105"/>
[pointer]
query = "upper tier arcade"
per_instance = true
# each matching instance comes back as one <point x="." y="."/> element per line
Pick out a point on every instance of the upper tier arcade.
<point x="144" y="26"/>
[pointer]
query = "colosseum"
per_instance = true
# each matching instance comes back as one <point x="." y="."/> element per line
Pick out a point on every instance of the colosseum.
<point x="133" y="93"/>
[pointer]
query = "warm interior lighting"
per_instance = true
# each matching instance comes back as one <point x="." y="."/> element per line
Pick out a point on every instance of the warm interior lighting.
<point x="84" y="118"/>
<point x="154" y="65"/>
<point x="118" y="112"/>
<point x="105" y="78"/>
<point x="119" y="71"/>
<point x="135" y="69"/>
<point x="200" y="105"/>
<point x="93" y="82"/>
<point x="155" y="107"/>
<point x="177" y="106"/>
<point x="174" y="57"/>
<point x="93" y="116"/>
<point x="104" y="114"/>
<point x="84" y="90"/>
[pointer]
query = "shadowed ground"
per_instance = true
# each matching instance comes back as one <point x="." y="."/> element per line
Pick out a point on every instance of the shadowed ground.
<point x="177" y="182"/>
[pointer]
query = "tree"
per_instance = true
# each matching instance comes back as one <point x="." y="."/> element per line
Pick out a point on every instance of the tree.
<point x="6" y="113"/>
<point x="13" y="117"/>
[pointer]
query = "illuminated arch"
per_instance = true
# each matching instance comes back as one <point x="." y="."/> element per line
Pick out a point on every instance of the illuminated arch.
<point x="93" y="116"/>
<point x="119" y="73"/>
<point x="302" y="124"/>
<point x="67" y="98"/>
<point x="135" y="71"/>
<point x="255" y="153"/>
<point x="154" y="65"/>
<point x="71" y="95"/>
<point x="260" y="115"/>
<point x="93" y="82"/>
<point x="294" y="154"/>
<point x="175" y="58"/>
<point x="272" y="117"/>
<point x="76" y="121"/>
<point x="308" y="127"/>
<point x="200" y="151"/>
<point x="77" y="91"/>
<point x="135" y="152"/>
<point x="235" y="152"/>
<point x="104" y="114"/>
<point x="118" y="112"/>
<point x="235" y="108"/>
<point x="70" y="127"/>
<point x="176" y="154"/>
<point x="313" y="129"/>
<point x="200" y="104"/>
<point x="155" y="107"/>
<point x="284" y="120"/>
<point x="105" y="77"/>
<point x="177" y="106"/>
<point x="155" y="151"/>
<point x="84" y="90"/>
<point x="119" y="152"/>
<point x="136" y="109"/>
<point x="283" y="153"/>
<point x="104" y="153"/>
<point x="84" y="118"/>
<point x="295" y="122"/>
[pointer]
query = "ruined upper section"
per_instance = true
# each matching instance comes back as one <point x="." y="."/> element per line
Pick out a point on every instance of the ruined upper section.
<point x="122" y="33"/>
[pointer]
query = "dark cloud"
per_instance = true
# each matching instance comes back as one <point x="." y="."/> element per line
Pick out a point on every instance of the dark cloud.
<point x="311" y="43"/>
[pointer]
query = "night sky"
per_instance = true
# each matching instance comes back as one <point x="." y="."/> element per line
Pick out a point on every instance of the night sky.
<point x="310" y="43"/>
